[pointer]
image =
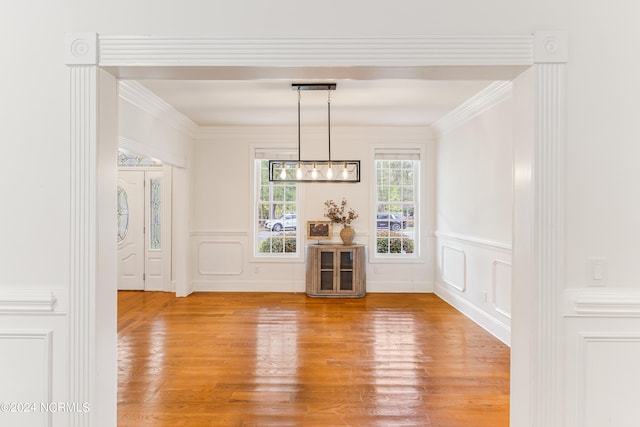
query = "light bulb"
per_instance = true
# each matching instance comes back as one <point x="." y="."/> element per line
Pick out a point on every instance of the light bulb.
<point x="314" y="172"/>
<point x="330" y="171"/>
<point x="345" y="172"/>
<point x="299" y="171"/>
<point x="283" y="173"/>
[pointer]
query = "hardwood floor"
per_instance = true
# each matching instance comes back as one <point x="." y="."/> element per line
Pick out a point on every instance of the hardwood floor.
<point x="278" y="359"/>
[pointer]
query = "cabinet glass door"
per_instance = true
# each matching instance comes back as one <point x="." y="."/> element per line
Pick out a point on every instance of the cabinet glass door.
<point x="326" y="271"/>
<point x="346" y="270"/>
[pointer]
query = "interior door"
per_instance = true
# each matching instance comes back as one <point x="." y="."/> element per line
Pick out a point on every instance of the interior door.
<point x="131" y="230"/>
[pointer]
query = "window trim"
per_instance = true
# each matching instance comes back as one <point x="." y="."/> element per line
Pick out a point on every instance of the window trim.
<point x="263" y="152"/>
<point x="399" y="151"/>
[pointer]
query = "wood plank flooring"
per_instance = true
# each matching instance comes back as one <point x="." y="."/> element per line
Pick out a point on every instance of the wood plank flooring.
<point x="279" y="359"/>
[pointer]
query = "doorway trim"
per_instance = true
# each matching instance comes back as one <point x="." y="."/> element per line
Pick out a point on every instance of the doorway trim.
<point x="95" y="61"/>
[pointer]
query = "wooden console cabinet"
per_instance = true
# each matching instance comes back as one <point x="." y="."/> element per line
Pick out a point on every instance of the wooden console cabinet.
<point x="336" y="271"/>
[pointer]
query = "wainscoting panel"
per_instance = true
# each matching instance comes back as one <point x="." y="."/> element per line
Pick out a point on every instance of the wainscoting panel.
<point x="474" y="275"/>
<point x="603" y="336"/>
<point x="454" y="268"/>
<point x="220" y="257"/>
<point x="501" y="290"/>
<point x="223" y="263"/>
<point x="25" y="363"/>
<point x="608" y="379"/>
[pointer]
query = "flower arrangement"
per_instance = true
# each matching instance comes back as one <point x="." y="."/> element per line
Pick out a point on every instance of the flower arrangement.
<point x="337" y="213"/>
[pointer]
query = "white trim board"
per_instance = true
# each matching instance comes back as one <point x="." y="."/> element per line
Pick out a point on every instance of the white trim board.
<point x="498" y="329"/>
<point x="537" y="395"/>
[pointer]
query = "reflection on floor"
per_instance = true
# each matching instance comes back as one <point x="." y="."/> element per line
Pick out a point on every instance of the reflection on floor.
<point x="218" y="359"/>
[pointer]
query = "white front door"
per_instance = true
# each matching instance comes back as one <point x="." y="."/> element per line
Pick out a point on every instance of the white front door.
<point x="144" y="229"/>
<point x="131" y="230"/>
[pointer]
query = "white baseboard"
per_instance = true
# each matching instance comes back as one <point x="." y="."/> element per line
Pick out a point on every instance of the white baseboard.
<point x="495" y="327"/>
<point x="248" y="286"/>
<point x="299" y="286"/>
<point x="399" y="287"/>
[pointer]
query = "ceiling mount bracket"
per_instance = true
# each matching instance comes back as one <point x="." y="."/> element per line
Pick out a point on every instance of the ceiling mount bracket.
<point x="313" y="86"/>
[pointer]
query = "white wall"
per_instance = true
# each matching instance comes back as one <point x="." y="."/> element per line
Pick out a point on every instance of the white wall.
<point x="223" y="210"/>
<point x="474" y="216"/>
<point x="601" y="209"/>
<point x="149" y="126"/>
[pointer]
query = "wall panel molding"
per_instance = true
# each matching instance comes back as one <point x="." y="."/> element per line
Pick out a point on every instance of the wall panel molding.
<point x="220" y="233"/>
<point x="603" y="302"/>
<point x="454" y="267"/>
<point x="27" y="357"/>
<point x="606" y="388"/>
<point x="501" y="287"/>
<point x="220" y="257"/>
<point x="23" y="301"/>
<point x="472" y="240"/>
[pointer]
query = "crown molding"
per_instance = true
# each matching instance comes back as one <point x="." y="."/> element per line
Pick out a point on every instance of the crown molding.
<point x="137" y="94"/>
<point x="249" y="133"/>
<point x="375" y="134"/>
<point x="492" y="95"/>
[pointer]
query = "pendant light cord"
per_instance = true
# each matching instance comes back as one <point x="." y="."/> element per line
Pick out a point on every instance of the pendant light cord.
<point x="329" y="121"/>
<point x="298" y="126"/>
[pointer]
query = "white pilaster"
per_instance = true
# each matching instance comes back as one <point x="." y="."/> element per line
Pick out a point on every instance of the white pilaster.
<point x="80" y="55"/>
<point x="548" y="227"/>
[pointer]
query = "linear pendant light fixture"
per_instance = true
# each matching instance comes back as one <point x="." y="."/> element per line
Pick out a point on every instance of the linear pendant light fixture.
<point x="346" y="171"/>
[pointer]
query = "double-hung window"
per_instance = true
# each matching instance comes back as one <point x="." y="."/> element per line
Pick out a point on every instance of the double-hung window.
<point x="276" y="210"/>
<point x="397" y="178"/>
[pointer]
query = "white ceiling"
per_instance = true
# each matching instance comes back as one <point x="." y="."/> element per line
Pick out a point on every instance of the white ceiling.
<point x="389" y="102"/>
